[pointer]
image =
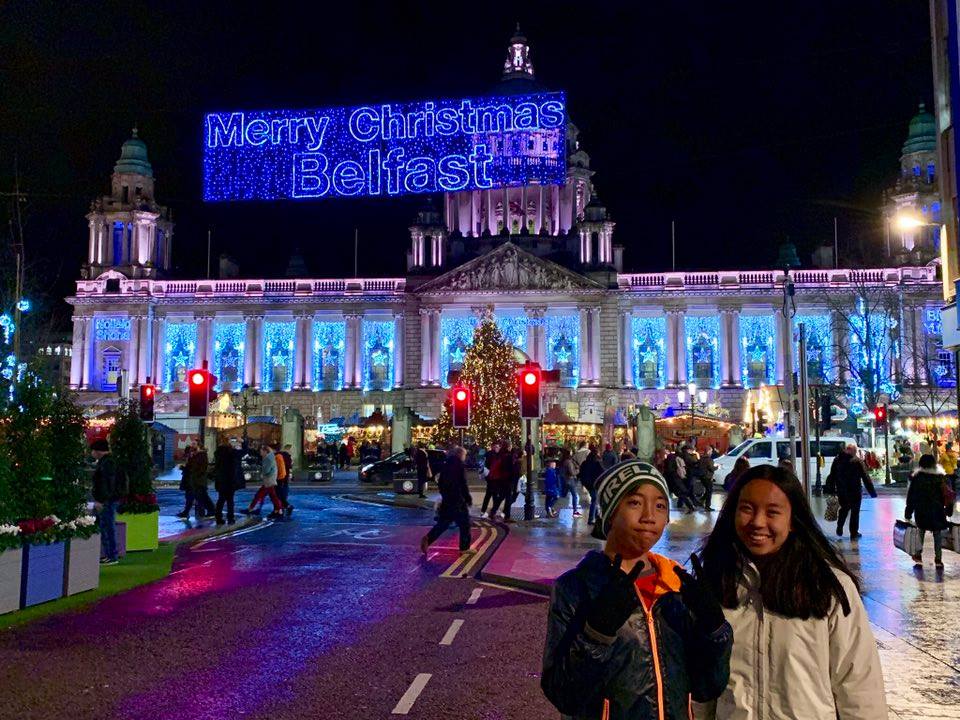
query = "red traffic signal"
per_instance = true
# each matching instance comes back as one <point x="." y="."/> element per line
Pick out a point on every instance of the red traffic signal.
<point x="880" y="415"/>
<point x="147" y="395"/>
<point x="461" y="406"/>
<point x="530" y="378"/>
<point x="200" y="389"/>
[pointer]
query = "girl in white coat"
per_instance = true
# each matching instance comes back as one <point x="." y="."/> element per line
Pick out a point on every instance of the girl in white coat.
<point x="802" y="644"/>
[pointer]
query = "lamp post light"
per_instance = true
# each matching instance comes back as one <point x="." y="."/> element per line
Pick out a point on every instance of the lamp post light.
<point x="694" y="396"/>
<point x="248" y="397"/>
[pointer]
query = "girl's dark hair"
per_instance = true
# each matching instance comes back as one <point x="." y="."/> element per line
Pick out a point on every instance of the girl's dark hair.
<point x="800" y="581"/>
<point x="927" y="462"/>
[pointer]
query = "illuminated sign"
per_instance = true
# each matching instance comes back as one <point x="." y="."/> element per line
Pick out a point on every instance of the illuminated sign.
<point x="433" y="146"/>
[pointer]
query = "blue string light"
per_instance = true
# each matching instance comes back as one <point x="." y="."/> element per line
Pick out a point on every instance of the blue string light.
<point x="378" y="354"/>
<point x="229" y="350"/>
<point x="819" y="329"/>
<point x="279" y="338"/>
<point x="563" y="347"/>
<point x="757" y="358"/>
<point x="329" y="356"/>
<point x="703" y="349"/>
<point x="179" y="352"/>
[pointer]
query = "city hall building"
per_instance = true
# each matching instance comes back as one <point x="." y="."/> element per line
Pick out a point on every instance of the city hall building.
<point x="542" y="260"/>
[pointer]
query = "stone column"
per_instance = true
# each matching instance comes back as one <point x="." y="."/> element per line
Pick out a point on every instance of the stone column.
<point x="841" y="346"/>
<point x="536" y="333"/>
<point x="354" y="366"/>
<point x="682" y="369"/>
<point x="132" y="360"/>
<point x="783" y="336"/>
<point x="595" y="343"/>
<point x="77" y="353"/>
<point x="249" y="341"/>
<point x="626" y="348"/>
<point x="87" y="347"/>
<point x="673" y="374"/>
<point x="398" y="348"/>
<point x="159" y="345"/>
<point x="736" y="376"/>
<point x="424" y="346"/>
<point x="257" y="350"/>
<point x="92" y="250"/>
<point x="205" y="341"/>
<point x="144" y="354"/>
<point x="300" y="358"/>
<point x="435" y="378"/>
<point x="586" y="357"/>
<point x="912" y="333"/>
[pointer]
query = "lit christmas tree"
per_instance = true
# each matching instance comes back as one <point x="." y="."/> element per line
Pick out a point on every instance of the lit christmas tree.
<point x="490" y="371"/>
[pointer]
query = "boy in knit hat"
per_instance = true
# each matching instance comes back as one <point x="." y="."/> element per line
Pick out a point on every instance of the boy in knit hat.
<point x="630" y="634"/>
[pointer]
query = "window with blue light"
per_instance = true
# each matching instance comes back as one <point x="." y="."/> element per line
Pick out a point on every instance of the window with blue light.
<point x="279" y="344"/>
<point x="109" y="369"/>
<point x="179" y="352"/>
<point x="819" y="329"/>
<point x="378" y="354"/>
<point x="228" y="354"/>
<point x="944" y="368"/>
<point x="758" y="360"/>
<point x="117" y="243"/>
<point x="931" y="172"/>
<point x="329" y="354"/>
<point x="648" y="335"/>
<point x="932" y="325"/>
<point x="703" y="349"/>
<point x="563" y="347"/>
<point x="456" y="337"/>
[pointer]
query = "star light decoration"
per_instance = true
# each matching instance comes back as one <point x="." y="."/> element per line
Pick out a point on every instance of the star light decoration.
<point x="703" y="333"/>
<point x="649" y="335"/>
<point x="179" y="351"/>
<point x="328" y="350"/>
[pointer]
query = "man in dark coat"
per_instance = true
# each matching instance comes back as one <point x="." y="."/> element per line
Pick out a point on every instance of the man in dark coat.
<point x="590" y="470"/>
<point x="925" y="503"/>
<point x="422" y="462"/>
<point x="846" y="479"/>
<point x="455" y="501"/>
<point x="225" y="479"/>
<point x="108" y="489"/>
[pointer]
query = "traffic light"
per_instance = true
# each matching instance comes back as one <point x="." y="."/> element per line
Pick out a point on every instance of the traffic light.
<point x="530" y="378"/>
<point x="148" y="394"/>
<point x="200" y="388"/>
<point x="461" y="406"/>
<point x="880" y="416"/>
<point x="826" y="412"/>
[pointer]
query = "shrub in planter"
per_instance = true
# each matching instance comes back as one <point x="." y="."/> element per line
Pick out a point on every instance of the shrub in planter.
<point x="11" y="561"/>
<point x="130" y="445"/>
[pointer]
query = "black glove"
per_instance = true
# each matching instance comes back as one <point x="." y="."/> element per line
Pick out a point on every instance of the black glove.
<point x="617" y="599"/>
<point x="699" y="599"/>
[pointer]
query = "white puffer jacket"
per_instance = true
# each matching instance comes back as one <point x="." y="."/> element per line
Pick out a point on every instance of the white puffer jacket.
<point x="791" y="669"/>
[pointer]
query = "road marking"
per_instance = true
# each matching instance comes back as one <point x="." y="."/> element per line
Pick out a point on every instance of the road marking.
<point x="235" y="533"/>
<point x="456" y="569"/>
<point x="474" y="596"/>
<point x="481" y="550"/>
<point x="412" y="693"/>
<point x="451" y="632"/>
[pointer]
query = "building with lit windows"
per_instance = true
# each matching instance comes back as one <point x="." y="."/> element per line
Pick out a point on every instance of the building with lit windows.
<point x="542" y="260"/>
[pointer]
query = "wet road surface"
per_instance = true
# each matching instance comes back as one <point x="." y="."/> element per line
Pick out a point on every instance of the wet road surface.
<point x="333" y="614"/>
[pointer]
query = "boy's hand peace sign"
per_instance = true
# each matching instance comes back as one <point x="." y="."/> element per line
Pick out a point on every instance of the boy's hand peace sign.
<point x="617" y="599"/>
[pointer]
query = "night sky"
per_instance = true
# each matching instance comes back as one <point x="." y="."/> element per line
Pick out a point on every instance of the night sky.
<point x="745" y="126"/>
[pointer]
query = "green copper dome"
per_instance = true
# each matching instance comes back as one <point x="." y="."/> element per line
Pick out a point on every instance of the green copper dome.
<point x="133" y="158"/>
<point x="923" y="133"/>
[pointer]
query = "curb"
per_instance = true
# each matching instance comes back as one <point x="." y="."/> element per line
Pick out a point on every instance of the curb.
<point x="216" y="531"/>
<point x="415" y="503"/>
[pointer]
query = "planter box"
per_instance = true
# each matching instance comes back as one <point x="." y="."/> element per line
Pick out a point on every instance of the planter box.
<point x="143" y="530"/>
<point x="11" y="568"/>
<point x="82" y="569"/>
<point x="42" y="578"/>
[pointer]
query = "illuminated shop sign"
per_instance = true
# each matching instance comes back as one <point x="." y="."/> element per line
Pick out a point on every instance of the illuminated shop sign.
<point x="370" y="150"/>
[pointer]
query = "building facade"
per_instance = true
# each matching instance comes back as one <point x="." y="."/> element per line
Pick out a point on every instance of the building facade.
<point x="541" y="260"/>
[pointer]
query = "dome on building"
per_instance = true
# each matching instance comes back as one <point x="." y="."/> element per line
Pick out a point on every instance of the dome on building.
<point x="922" y="136"/>
<point x="133" y="158"/>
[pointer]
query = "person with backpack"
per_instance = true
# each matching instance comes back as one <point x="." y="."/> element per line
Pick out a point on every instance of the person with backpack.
<point x="109" y="486"/>
<point x="929" y="497"/>
<point x="630" y="634"/>
<point x="455" y="501"/>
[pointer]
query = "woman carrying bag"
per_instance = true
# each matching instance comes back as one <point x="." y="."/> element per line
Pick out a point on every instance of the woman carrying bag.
<point x="927" y="498"/>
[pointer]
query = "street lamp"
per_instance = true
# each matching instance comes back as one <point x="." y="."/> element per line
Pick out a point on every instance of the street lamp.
<point x="909" y="221"/>
<point x="694" y="395"/>
<point x="248" y="397"/>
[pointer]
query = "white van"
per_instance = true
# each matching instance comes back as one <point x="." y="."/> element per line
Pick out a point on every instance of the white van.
<point x="769" y="450"/>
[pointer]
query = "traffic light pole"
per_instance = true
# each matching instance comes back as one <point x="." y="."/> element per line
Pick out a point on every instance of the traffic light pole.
<point x="528" y="495"/>
<point x="886" y="449"/>
<point x="818" y="485"/>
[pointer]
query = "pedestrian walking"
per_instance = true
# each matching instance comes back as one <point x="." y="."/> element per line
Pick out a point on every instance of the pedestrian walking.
<point x="581" y="453"/>
<point x="225" y="481"/>
<point x="283" y="482"/>
<point x="185" y="485"/>
<point x="492" y="464"/>
<point x="551" y="487"/>
<point x="109" y="487"/>
<point x="846" y="479"/>
<point x="422" y="462"/>
<point x="590" y="470"/>
<point x="455" y="501"/>
<point x="629" y="633"/>
<point x="268" y="485"/>
<point x="196" y="476"/>
<point x="508" y="474"/>
<point x="676" y="477"/>
<point x="707" y="468"/>
<point x="567" y="471"/>
<point x="795" y="609"/>
<point x="948" y="461"/>
<point x="927" y="499"/>
<point x="609" y="457"/>
<point x="343" y="456"/>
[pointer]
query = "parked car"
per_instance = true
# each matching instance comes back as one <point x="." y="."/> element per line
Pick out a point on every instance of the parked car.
<point x="769" y="450"/>
<point x="383" y="471"/>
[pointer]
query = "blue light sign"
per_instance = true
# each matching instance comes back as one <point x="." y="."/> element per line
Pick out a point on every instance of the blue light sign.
<point x="433" y="146"/>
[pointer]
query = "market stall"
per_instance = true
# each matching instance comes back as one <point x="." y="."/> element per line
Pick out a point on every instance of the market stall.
<point x="560" y="430"/>
<point x="700" y="430"/>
